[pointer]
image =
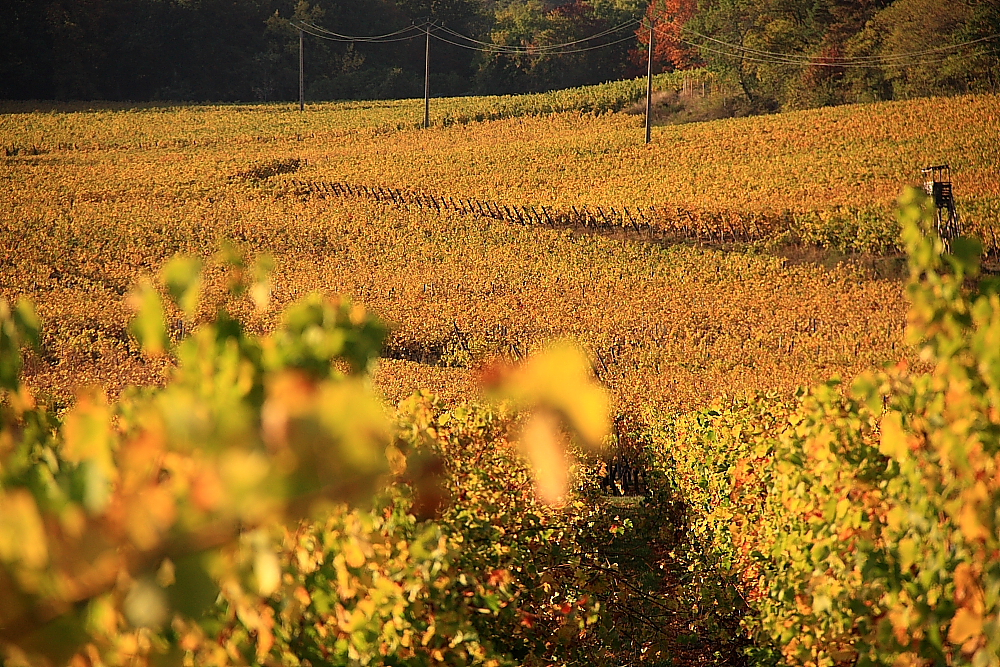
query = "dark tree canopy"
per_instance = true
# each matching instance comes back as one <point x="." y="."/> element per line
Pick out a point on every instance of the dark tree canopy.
<point x="247" y="50"/>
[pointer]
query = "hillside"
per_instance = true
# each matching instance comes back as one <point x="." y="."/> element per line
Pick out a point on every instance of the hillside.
<point x="707" y="276"/>
<point x="671" y="325"/>
<point x="114" y="193"/>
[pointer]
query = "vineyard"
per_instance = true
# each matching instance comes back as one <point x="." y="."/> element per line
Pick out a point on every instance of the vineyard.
<point x="285" y="310"/>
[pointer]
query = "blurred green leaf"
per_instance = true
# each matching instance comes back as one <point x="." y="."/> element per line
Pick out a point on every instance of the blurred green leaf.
<point x="182" y="277"/>
<point x="148" y="325"/>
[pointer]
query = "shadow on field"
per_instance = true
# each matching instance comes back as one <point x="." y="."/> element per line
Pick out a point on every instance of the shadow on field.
<point x="726" y="231"/>
<point x="668" y="608"/>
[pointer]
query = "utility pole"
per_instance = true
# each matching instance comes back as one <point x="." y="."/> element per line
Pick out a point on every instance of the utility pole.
<point x="427" y="79"/>
<point x="302" y="72"/>
<point x="649" y="86"/>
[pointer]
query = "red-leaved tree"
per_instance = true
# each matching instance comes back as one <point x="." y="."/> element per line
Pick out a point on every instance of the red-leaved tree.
<point x="670" y="50"/>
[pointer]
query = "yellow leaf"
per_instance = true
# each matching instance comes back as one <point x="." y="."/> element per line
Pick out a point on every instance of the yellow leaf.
<point x="968" y="592"/>
<point x="166" y="575"/>
<point x="895" y="518"/>
<point x="353" y="553"/>
<point x="970" y="523"/>
<point x="148" y="324"/>
<point x="899" y="617"/>
<point x="267" y="570"/>
<point x="560" y="379"/>
<point x="265" y="634"/>
<point x="893" y="442"/>
<point x="546" y="451"/>
<point x="22" y="534"/>
<point x="302" y="595"/>
<point x="89" y="442"/>
<point x="967" y="625"/>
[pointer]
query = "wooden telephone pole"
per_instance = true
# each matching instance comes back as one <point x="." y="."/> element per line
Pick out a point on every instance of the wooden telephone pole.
<point x="649" y="86"/>
<point x="302" y="72"/>
<point x="427" y="79"/>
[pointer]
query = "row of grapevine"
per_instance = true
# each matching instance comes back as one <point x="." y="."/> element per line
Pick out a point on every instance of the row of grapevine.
<point x="204" y="521"/>
<point x="653" y="222"/>
<point x="687" y="322"/>
<point x="851" y="231"/>
<point x="859" y="522"/>
<point x="824" y="177"/>
<point x="154" y="126"/>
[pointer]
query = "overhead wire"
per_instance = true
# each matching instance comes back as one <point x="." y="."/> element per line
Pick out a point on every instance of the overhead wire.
<point x="390" y="34"/>
<point x="749" y="54"/>
<point x="544" y="47"/>
<point x="852" y="59"/>
<point x="473" y="44"/>
<point x="323" y="33"/>
<point x="354" y="41"/>
<point x="773" y="57"/>
<point x="563" y="52"/>
<point x="824" y="63"/>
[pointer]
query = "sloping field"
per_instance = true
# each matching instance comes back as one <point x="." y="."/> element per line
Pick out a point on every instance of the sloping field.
<point x="93" y="199"/>
<point x="827" y="176"/>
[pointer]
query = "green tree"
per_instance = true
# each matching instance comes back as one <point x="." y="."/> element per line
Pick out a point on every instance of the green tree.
<point x="533" y="25"/>
<point x="914" y="27"/>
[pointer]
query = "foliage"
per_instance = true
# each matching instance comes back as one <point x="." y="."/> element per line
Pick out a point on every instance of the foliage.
<point x="362" y="588"/>
<point x="898" y="508"/>
<point x="460" y="290"/>
<point x="146" y="525"/>
<point x="802" y="53"/>
<point x="113" y="193"/>
<point x="861" y="525"/>
<point x="175" y="50"/>
<point x="534" y="24"/>
<point x="505" y="536"/>
<point x="916" y="26"/>
<point x="249" y="429"/>
<point x="782" y="53"/>
<point x="725" y="500"/>
<point x="671" y="48"/>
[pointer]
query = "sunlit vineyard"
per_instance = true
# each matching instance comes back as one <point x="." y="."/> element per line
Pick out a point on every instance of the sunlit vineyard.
<point x="30" y="128"/>
<point x="827" y="177"/>
<point x="726" y="261"/>
<point x="111" y="194"/>
<point x="667" y="325"/>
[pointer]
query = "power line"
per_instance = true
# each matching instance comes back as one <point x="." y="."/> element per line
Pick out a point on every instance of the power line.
<point x="429" y="29"/>
<point x="821" y="63"/>
<point x="757" y="55"/>
<point x="545" y="47"/>
<point x="354" y="41"/>
<point x="323" y="33"/>
<point x="728" y="48"/>
<point x="853" y="59"/>
<point x="358" y="38"/>
<point x="528" y="52"/>
<point x="473" y="44"/>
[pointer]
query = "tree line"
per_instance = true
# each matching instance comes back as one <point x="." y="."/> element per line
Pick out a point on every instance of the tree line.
<point x="777" y="53"/>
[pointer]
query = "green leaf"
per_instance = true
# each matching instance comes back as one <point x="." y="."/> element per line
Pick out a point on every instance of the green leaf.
<point x="148" y="325"/>
<point x="965" y="256"/>
<point x="182" y="276"/>
<point x="27" y="323"/>
<point x="194" y="590"/>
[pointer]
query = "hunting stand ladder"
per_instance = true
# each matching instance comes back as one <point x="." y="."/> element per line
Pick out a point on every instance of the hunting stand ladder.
<point x="625" y="473"/>
<point x="937" y="184"/>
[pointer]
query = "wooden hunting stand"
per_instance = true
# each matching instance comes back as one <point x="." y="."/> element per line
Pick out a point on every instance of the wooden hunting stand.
<point x="937" y="184"/>
<point x="625" y="474"/>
